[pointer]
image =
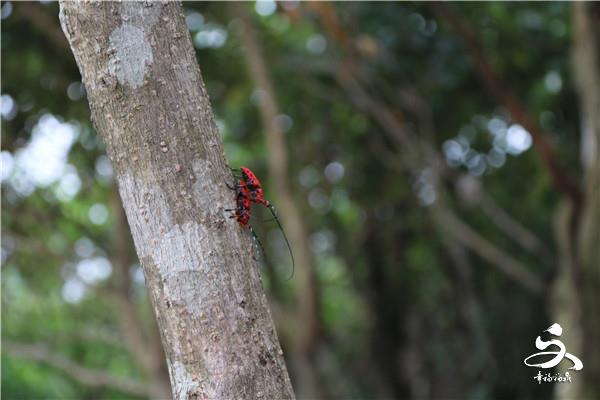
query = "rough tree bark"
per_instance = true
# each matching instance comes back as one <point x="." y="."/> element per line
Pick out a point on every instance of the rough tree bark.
<point x="143" y="342"/>
<point x="149" y="104"/>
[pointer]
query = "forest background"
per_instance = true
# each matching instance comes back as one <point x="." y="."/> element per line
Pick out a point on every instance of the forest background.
<point x="441" y="184"/>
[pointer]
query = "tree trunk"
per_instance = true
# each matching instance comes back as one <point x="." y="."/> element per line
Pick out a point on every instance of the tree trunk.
<point x="586" y="60"/>
<point x="142" y="343"/>
<point x="577" y="288"/>
<point x="149" y="104"/>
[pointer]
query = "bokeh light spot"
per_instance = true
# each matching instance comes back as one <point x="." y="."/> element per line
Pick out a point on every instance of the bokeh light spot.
<point x="316" y="44"/>
<point x="518" y="139"/>
<point x="334" y="172"/>
<point x="194" y="21"/>
<point x="98" y="214"/>
<point x="265" y="7"/>
<point x="73" y="291"/>
<point x="93" y="270"/>
<point x="553" y="82"/>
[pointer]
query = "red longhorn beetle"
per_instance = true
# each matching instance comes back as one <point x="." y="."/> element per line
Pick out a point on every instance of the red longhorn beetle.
<point x="241" y="212"/>
<point x="257" y="195"/>
<point x="242" y="204"/>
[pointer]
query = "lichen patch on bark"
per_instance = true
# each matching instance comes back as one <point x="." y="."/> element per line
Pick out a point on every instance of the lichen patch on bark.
<point x="188" y="385"/>
<point x="184" y="277"/>
<point x="132" y="55"/>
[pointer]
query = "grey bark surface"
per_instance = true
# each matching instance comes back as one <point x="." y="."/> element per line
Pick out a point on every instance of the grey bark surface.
<point x="149" y="104"/>
<point x="143" y="342"/>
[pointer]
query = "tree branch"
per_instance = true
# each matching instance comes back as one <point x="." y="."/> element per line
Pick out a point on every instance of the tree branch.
<point x="469" y="238"/>
<point x="36" y="14"/>
<point x="448" y="220"/>
<point x="414" y="156"/>
<point x="512" y="228"/>
<point x="89" y="377"/>
<point x="503" y="92"/>
<point x="469" y="190"/>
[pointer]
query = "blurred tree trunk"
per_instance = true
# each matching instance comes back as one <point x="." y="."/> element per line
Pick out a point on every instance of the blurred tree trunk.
<point x="586" y="59"/>
<point x="306" y="345"/>
<point x="577" y="289"/>
<point x="149" y="104"/>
